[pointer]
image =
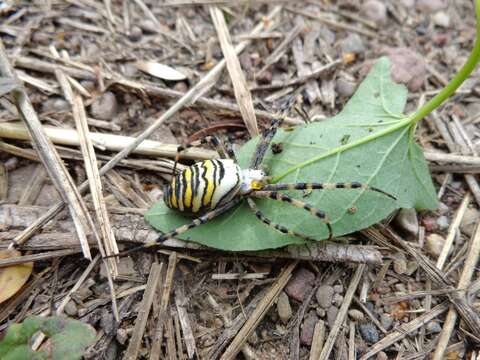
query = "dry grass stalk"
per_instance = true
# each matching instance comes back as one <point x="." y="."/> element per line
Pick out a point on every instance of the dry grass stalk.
<point x="59" y="175"/>
<point x="463" y="283"/>
<point x="181" y="303"/>
<point x="318" y="339"/>
<point x="157" y="338"/>
<point x="334" y="24"/>
<point x="108" y="141"/>
<point x="342" y="313"/>
<point x="3" y="183"/>
<point x="142" y="316"/>
<point x="37" y="257"/>
<point x="259" y="312"/>
<point x="240" y="88"/>
<point x="33" y="187"/>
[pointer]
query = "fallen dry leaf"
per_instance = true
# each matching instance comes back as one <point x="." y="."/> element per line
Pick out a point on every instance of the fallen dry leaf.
<point x="12" y="278"/>
<point x="159" y="70"/>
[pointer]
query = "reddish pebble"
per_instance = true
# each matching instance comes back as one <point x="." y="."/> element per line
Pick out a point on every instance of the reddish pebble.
<point x="300" y="284"/>
<point x="308" y="328"/>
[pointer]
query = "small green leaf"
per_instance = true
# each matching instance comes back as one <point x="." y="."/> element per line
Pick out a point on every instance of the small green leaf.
<point x="69" y="338"/>
<point x="369" y="141"/>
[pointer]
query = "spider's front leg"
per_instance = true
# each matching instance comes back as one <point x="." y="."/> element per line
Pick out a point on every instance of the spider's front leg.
<point x="294" y="202"/>
<point x="325" y="186"/>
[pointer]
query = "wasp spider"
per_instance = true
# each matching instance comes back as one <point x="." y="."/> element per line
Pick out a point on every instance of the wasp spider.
<point x="209" y="188"/>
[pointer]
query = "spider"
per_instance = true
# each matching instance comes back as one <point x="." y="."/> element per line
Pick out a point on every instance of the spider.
<point x="210" y="188"/>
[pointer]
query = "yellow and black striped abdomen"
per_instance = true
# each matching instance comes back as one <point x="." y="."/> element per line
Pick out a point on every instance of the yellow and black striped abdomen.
<point x="203" y="186"/>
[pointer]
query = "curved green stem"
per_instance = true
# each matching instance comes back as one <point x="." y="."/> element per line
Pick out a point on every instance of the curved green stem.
<point x="457" y="80"/>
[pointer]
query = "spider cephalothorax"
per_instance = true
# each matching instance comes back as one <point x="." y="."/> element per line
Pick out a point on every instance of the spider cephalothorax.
<point x="209" y="188"/>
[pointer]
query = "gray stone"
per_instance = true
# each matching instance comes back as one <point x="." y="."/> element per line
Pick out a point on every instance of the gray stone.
<point x="429" y="6"/>
<point x="353" y="43"/>
<point x="407" y="220"/>
<point x="324" y="296"/>
<point x="369" y="333"/>
<point x="308" y="328"/>
<point x="332" y="313"/>
<point x="345" y="87"/>
<point x="375" y="10"/>
<point x="470" y="218"/>
<point x="71" y="308"/>
<point x="105" y="107"/>
<point x="433" y="327"/>
<point x="400" y="264"/>
<point x="408" y="68"/>
<point x="434" y="244"/>
<point x="337" y="300"/>
<point x="443" y="222"/>
<point x="386" y="321"/>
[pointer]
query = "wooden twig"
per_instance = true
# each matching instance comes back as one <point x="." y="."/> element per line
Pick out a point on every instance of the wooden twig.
<point x="142" y="316"/>
<point x="258" y="314"/>
<point x="239" y="83"/>
<point x="37" y="257"/>
<point x="318" y="339"/>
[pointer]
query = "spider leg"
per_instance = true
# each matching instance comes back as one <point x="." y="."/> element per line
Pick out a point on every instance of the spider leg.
<point x="325" y="186"/>
<point x="224" y="149"/>
<point x="297" y="203"/>
<point x="260" y="216"/>
<point x="180" y="230"/>
<point x="264" y="143"/>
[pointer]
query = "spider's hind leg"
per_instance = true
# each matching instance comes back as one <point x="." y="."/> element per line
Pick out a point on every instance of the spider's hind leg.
<point x="223" y="148"/>
<point x="297" y="203"/>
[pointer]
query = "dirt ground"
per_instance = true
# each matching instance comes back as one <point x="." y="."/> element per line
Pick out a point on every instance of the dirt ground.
<point x="407" y="288"/>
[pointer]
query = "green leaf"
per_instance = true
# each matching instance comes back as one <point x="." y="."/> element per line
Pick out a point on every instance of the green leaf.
<point x="370" y="141"/>
<point x="69" y="338"/>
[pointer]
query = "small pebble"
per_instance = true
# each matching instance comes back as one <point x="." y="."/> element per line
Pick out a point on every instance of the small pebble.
<point x="375" y="10"/>
<point x="412" y="266"/>
<point x="386" y="321"/>
<point x="321" y="312"/>
<point x="434" y="244"/>
<point x="407" y="220"/>
<point x="356" y="315"/>
<point x="129" y="70"/>
<point x="135" y="33"/>
<point x="324" y="296"/>
<point x="338" y="289"/>
<point x="308" y="328"/>
<point x="408" y="68"/>
<point x="89" y="85"/>
<point x="407" y="3"/>
<point x="441" y="19"/>
<point x="11" y="163"/>
<point x="369" y="333"/>
<point x="470" y="218"/>
<point x="443" y="222"/>
<point x="331" y="315"/>
<point x="382" y="356"/>
<point x="55" y="104"/>
<point x="300" y="283"/>
<point x="71" y="308"/>
<point x="353" y="43"/>
<point x="104" y="107"/>
<point x="337" y="300"/>
<point x="400" y="264"/>
<point x="433" y="327"/>
<point x="283" y="307"/>
<point x="430" y="6"/>
<point x="345" y="88"/>
<point x="442" y="208"/>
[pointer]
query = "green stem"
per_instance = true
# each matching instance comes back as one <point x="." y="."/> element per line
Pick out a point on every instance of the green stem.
<point x="457" y="80"/>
